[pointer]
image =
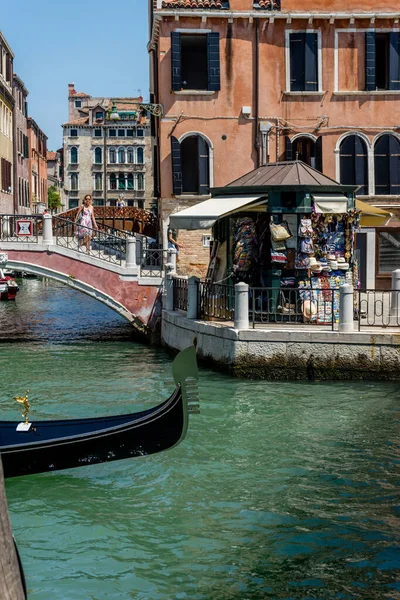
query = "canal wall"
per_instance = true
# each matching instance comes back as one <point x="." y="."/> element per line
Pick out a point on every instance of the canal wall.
<point x="286" y="354"/>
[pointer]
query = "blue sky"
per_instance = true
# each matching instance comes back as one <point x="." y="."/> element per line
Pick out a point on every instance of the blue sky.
<point x="100" y="46"/>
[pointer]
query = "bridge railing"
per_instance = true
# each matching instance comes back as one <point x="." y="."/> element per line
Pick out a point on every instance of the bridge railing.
<point x="108" y="245"/>
<point x="20" y="228"/>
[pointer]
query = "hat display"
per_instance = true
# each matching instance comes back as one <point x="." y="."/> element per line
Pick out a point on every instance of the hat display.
<point x="331" y="256"/>
<point x="309" y="309"/>
<point x="333" y="265"/>
<point x="313" y="261"/>
<point x="341" y="259"/>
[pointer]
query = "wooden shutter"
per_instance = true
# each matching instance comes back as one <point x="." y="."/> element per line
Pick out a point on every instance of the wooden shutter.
<point x="213" y="62"/>
<point x="394" y="61"/>
<point x="382" y="172"/>
<point x="288" y="148"/>
<point x="176" y="67"/>
<point x="311" y="62"/>
<point x="176" y="166"/>
<point x="394" y="165"/>
<point x="318" y="154"/>
<point x="370" y="60"/>
<point x="203" y="165"/>
<point x="360" y="165"/>
<point x="297" y="61"/>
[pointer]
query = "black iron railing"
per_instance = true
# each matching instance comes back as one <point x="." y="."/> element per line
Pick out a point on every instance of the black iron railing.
<point x="215" y="301"/>
<point x="180" y="287"/>
<point x="294" y="305"/>
<point x="20" y="228"/>
<point x="152" y="261"/>
<point x="377" y="308"/>
<point x="108" y="244"/>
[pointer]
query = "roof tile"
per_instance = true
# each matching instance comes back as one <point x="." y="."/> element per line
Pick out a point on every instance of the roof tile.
<point x="193" y="4"/>
<point x="268" y="4"/>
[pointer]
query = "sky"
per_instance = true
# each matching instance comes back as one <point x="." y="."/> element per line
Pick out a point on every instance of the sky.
<point x="100" y="46"/>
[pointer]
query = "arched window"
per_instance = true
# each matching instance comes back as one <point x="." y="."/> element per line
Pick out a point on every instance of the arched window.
<point x="130" y="181"/>
<point x="140" y="155"/>
<point x="387" y="165"/>
<point x="121" y="155"/>
<point x="140" y="182"/>
<point x="121" y="181"/>
<point x="74" y="155"/>
<point x="113" y="181"/>
<point x="306" y="149"/>
<point x="354" y="163"/>
<point x="98" y="156"/>
<point x="129" y="154"/>
<point x="112" y="155"/>
<point x="190" y="165"/>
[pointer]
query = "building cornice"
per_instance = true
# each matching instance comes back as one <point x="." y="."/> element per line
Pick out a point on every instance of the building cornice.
<point x="269" y="16"/>
<point x="5" y="44"/>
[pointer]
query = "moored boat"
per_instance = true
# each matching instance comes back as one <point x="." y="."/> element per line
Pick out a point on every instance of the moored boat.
<point x="8" y="286"/>
<point x="41" y="446"/>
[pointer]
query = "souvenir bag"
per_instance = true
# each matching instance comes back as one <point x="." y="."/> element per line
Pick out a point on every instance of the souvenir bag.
<point x="307" y="246"/>
<point x="278" y="246"/>
<point x="278" y="257"/>
<point x="302" y="261"/>
<point x="305" y="228"/>
<point x="279" y="233"/>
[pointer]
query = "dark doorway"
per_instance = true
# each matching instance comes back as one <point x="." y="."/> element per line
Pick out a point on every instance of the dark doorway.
<point x="304" y="150"/>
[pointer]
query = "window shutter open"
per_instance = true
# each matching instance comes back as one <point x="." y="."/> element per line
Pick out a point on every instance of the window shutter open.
<point x="370" y="60"/>
<point x="203" y="162"/>
<point x="213" y="61"/>
<point x="311" y="62"/>
<point x="176" y="70"/>
<point x="360" y="165"/>
<point x="297" y="61"/>
<point x="394" y="60"/>
<point x="176" y="166"/>
<point x="288" y="148"/>
<point x="394" y="165"/>
<point x="318" y="154"/>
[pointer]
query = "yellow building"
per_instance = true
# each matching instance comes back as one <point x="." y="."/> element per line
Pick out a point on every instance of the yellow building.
<point x="6" y="127"/>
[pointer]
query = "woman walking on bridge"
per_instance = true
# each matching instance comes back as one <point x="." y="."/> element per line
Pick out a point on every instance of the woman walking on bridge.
<point x="85" y="222"/>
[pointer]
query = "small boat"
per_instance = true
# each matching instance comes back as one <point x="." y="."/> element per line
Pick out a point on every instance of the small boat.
<point x="8" y="286"/>
<point x="43" y="446"/>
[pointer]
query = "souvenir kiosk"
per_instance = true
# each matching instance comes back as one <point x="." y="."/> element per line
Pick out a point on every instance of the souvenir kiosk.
<point x="282" y="227"/>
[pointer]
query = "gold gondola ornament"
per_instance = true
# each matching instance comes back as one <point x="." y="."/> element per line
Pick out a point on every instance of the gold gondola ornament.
<point x="25" y="425"/>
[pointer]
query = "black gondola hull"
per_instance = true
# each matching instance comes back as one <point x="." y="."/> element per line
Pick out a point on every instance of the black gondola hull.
<point x="55" y="445"/>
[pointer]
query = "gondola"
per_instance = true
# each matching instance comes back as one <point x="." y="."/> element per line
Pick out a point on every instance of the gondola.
<point x="42" y="446"/>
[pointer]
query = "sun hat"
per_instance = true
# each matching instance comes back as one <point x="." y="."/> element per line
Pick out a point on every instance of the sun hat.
<point x="331" y="256"/>
<point x="313" y="261"/>
<point x="333" y="264"/>
<point x="309" y="309"/>
<point x="316" y="268"/>
<point x="341" y="259"/>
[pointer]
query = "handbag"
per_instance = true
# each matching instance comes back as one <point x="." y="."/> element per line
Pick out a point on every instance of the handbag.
<point x="307" y="246"/>
<point x="278" y="232"/>
<point x="80" y="217"/>
<point x="305" y="228"/>
<point x="278" y="257"/>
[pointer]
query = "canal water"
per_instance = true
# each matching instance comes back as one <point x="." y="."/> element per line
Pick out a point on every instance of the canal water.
<point x="280" y="490"/>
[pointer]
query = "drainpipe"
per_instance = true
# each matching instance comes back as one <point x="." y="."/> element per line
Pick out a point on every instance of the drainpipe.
<point x="105" y="165"/>
<point x="257" y="85"/>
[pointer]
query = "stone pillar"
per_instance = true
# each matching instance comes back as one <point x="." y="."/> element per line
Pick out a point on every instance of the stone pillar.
<point x="395" y="304"/>
<point x="346" y="308"/>
<point x="47" y="229"/>
<point x="169" y="296"/>
<point x="6" y="226"/>
<point x="171" y="259"/>
<point x="192" y="297"/>
<point x="130" y="252"/>
<point x="241" y="306"/>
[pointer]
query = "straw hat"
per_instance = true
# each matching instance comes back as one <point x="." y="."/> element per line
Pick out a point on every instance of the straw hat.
<point x="316" y="268"/>
<point x="333" y="265"/>
<point x="313" y="261"/>
<point x="341" y="259"/>
<point x="309" y="309"/>
<point x="331" y="256"/>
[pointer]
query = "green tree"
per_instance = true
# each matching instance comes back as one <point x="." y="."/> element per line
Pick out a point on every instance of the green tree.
<point x="53" y="198"/>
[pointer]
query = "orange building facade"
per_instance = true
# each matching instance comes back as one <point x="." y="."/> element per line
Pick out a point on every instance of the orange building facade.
<point x="37" y="166"/>
<point x="245" y="83"/>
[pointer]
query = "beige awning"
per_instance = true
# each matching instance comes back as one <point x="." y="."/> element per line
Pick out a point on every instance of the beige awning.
<point x="330" y="203"/>
<point x="372" y="216"/>
<point x="204" y="214"/>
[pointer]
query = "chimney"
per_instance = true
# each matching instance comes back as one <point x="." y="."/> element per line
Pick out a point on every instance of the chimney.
<point x="71" y="89"/>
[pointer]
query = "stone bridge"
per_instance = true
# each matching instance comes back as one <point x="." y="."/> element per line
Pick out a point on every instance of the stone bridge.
<point x="115" y="271"/>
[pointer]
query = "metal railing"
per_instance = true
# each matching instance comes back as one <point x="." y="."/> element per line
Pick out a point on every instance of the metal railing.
<point x="215" y="301"/>
<point x="294" y="306"/>
<point x="20" y="228"/>
<point x="108" y="244"/>
<point x="152" y="261"/>
<point x="377" y="308"/>
<point x="180" y="286"/>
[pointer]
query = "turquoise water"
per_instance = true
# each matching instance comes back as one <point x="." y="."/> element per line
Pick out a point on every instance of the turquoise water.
<point x="280" y="490"/>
